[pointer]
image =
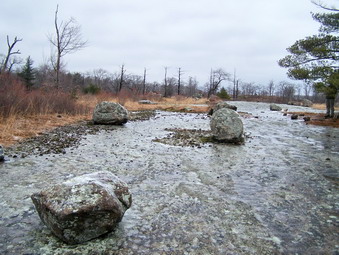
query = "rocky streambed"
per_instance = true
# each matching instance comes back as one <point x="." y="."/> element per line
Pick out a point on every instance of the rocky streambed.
<point x="276" y="194"/>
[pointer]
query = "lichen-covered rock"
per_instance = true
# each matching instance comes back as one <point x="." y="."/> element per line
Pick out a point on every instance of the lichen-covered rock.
<point x="2" y="154"/>
<point x="221" y="105"/>
<point x="109" y="113"/>
<point x="307" y="103"/>
<point x="274" y="107"/>
<point x="227" y="126"/>
<point x="84" y="207"/>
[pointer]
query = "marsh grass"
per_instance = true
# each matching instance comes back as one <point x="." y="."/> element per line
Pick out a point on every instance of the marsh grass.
<point x="25" y="113"/>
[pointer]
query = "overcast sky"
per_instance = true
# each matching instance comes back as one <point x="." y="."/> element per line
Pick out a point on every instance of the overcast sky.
<point x="196" y="35"/>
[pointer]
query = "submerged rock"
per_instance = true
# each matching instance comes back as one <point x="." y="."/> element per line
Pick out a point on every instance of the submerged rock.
<point x="109" y="113"/>
<point x="227" y="126"/>
<point x="2" y="154"/>
<point x="84" y="207"/>
<point x="274" y="107"/>
<point x="220" y="106"/>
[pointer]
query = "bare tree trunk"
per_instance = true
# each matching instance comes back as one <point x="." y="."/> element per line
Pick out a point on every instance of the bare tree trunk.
<point x="234" y="86"/>
<point x="121" y="78"/>
<point x="179" y="81"/>
<point x="165" y="93"/>
<point x="144" y="83"/>
<point x="330" y="107"/>
<point x="209" y="93"/>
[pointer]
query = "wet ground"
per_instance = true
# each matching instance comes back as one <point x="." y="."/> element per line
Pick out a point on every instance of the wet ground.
<point x="276" y="194"/>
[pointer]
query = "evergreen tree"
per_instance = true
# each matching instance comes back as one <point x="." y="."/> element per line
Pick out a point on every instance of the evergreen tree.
<point x="315" y="58"/>
<point x="223" y="94"/>
<point x="27" y="73"/>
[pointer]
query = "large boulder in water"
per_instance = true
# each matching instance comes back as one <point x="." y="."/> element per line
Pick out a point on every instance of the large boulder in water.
<point x="221" y="105"/>
<point x="2" y="154"/>
<point x="274" y="107"/>
<point x="109" y="113"/>
<point x="84" y="207"/>
<point x="227" y="126"/>
<point x="307" y="103"/>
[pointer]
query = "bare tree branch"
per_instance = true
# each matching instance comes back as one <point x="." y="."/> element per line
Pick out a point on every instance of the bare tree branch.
<point x="10" y="52"/>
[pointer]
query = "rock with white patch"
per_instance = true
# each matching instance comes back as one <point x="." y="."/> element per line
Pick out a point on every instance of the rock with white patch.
<point x="84" y="207"/>
<point x="109" y="113"/>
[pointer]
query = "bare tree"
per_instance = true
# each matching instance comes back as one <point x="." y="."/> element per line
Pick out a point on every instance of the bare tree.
<point x="144" y="83"/>
<point x="179" y="80"/>
<point x="192" y="87"/>
<point x="165" y="82"/>
<point x="271" y="87"/>
<point x="216" y="77"/>
<point x="8" y="61"/>
<point x="121" y="82"/>
<point x="67" y="39"/>
<point x="307" y="88"/>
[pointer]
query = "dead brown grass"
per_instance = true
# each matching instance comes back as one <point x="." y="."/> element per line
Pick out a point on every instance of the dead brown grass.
<point x="322" y="107"/>
<point x="318" y="119"/>
<point x="18" y="126"/>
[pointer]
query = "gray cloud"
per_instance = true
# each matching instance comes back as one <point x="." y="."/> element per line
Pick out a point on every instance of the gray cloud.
<point x="193" y="34"/>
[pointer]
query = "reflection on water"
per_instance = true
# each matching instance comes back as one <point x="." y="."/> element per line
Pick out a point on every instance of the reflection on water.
<point x="277" y="194"/>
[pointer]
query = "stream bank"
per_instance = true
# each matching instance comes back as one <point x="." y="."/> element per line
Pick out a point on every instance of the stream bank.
<point x="276" y="194"/>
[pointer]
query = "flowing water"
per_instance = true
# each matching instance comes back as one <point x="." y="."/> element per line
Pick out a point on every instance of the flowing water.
<point x="276" y="194"/>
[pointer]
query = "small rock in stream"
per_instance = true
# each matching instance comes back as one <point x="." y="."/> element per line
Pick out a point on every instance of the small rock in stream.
<point x="294" y="117"/>
<point x="2" y="154"/>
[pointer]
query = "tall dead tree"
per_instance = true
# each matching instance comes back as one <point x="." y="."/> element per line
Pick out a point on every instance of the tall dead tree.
<point x="165" y="82"/>
<point x="7" y="62"/>
<point x="67" y="39"/>
<point x="179" y="80"/>
<point x="144" y="83"/>
<point x="121" y="81"/>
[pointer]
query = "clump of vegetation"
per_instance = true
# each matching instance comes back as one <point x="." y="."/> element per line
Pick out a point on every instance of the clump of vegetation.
<point x="91" y="89"/>
<point x="16" y="100"/>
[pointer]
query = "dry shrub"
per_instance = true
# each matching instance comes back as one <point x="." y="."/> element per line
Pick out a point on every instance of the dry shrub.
<point x="15" y="100"/>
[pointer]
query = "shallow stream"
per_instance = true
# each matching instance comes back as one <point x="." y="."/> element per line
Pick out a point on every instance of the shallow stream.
<point x="276" y="194"/>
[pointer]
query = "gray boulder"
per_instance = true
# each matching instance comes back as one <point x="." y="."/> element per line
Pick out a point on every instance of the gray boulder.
<point x="274" y="107"/>
<point x="2" y="154"/>
<point x="227" y="126"/>
<point x="307" y="103"/>
<point x="109" y="113"/>
<point x="84" y="207"/>
<point x="221" y="105"/>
